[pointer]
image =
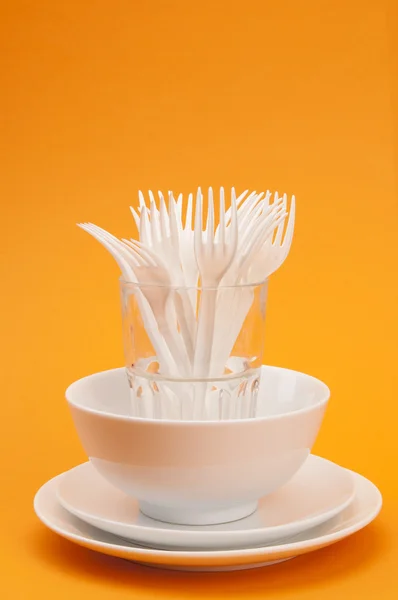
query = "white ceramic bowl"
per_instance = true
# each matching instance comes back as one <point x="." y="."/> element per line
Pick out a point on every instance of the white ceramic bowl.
<point x="199" y="472"/>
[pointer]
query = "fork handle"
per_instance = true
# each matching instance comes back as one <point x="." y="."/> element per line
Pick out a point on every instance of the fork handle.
<point x="186" y="321"/>
<point x="237" y="305"/>
<point x="205" y="332"/>
<point x="173" y="341"/>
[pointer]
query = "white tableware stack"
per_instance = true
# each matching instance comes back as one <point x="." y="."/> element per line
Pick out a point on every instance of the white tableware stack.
<point x="199" y="455"/>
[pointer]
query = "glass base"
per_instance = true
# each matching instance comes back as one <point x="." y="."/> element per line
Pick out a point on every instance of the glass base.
<point x="234" y="396"/>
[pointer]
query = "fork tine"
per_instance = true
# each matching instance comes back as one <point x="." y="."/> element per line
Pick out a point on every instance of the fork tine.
<point x="239" y="202"/>
<point x="267" y="199"/>
<point x="199" y="210"/>
<point x="247" y="205"/>
<point x="141" y="199"/>
<point x="258" y="220"/>
<point x="163" y="217"/>
<point x="188" y="216"/>
<point x="87" y="227"/>
<point x="152" y="199"/>
<point x="174" y="229"/>
<point x="175" y="224"/>
<point x="178" y="206"/>
<point x="198" y="228"/>
<point x="287" y="241"/>
<point x="210" y="215"/>
<point x="240" y="198"/>
<point x="262" y="234"/>
<point x="154" y="221"/>
<point x="233" y="195"/>
<point x="274" y="207"/>
<point x="270" y="217"/>
<point x="221" y="228"/>
<point x="136" y="217"/>
<point x="244" y="226"/>
<point x="279" y="231"/>
<point x="145" y="228"/>
<point x="102" y="232"/>
<point x="153" y="209"/>
<point x="251" y="206"/>
<point x="139" y="260"/>
<point x="249" y="201"/>
<point x="127" y="253"/>
<point x="276" y="224"/>
<point x="105" y="235"/>
<point x="145" y="256"/>
<point x="267" y="234"/>
<point x="234" y="220"/>
<point x="260" y="231"/>
<point x="96" y="232"/>
<point x="123" y="264"/>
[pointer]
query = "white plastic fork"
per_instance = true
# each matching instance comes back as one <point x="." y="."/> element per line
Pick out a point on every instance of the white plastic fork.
<point x="149" y="269"/>
<point x="255" y="237"/>
<point x="214" y="257"/>
<point x="237" y="301"/>
<point x="149" y="220"/>
<point x="239" y="201"/>
<point x="273" y="252"/>
<point x="186" y="240"/>
<point x="160" y="233"/>
<point x="124" y="259"/>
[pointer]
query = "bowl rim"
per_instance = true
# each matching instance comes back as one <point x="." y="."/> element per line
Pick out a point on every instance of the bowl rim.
<point x="324" y="398"/>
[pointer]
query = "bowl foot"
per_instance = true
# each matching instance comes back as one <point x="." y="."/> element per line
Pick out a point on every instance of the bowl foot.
<point x="197" y="516"/>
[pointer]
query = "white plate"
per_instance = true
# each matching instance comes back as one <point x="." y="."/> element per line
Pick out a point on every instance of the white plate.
<point x="360" y="512"/>
<point x="318" y="492"/>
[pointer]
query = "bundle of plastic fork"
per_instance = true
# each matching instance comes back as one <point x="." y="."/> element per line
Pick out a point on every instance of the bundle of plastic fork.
<point x="210" y="270"/>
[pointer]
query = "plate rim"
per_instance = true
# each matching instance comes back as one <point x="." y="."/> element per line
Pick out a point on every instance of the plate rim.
<point x="276" y="530"/>
<point x="196" y="557"/>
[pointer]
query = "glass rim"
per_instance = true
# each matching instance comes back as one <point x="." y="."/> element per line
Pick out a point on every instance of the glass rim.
<point x="151" y="284"/>
<point x="160" y="377"/>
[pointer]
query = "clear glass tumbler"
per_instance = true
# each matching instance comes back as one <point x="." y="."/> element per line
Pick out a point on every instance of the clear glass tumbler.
<point x="193" y="353"/>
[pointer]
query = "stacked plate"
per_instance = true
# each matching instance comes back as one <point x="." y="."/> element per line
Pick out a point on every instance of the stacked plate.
<point x="322" y="504"/>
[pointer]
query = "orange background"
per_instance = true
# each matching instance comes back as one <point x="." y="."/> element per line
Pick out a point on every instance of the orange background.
<point x="99" y="99"/>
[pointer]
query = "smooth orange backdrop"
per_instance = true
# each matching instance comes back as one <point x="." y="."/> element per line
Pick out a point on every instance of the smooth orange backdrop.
<point x="99" y="99"/>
